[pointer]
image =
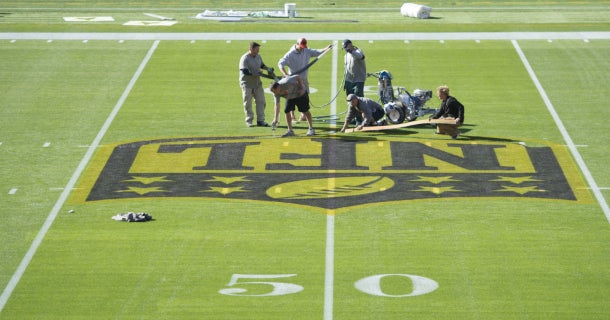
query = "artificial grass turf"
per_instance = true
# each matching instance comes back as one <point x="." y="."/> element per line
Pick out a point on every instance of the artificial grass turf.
<point x="501" y="258"/>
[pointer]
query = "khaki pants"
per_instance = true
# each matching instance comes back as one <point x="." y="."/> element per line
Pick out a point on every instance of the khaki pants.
<point x="449" y="129"/>
<point x="258" y="94"/>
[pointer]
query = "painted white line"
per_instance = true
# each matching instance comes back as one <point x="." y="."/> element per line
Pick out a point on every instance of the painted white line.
<point x="152" y="15"/>
<point x="329" y="273"/>
<point x="333" y="83"/>
<point x="12" y="191"/>
<point x="85" y="146"/>
<point x="378" y="36"/>
<point x="566" y="136"/>
<point x="12" y="284"/>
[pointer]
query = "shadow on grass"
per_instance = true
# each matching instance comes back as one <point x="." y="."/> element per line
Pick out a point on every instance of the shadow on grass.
<point x="374" y="135"/>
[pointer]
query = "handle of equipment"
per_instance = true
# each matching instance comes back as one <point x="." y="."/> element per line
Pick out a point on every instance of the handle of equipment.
<point x="312" y="62"/>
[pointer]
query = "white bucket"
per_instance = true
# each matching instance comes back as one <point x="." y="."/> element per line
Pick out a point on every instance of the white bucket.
<point x="415" y="10"/>
<point x="290" y="10"/>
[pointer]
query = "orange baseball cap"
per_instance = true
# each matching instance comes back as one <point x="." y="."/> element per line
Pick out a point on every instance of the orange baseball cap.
<point x="302" y="42"/>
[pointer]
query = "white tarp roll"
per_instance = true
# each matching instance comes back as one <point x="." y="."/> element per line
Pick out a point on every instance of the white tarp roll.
<point x="414" y="10"/>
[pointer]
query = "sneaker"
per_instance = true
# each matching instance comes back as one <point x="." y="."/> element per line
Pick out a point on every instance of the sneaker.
<point x="274" y="125"/>
<point x="381" y="123"/>
<point x="248" y="124"/>
<point x="456" y="136"/>
<point x="289" y="133"/>
<point x="311" y="132"/>
<point x="262" y="124"/>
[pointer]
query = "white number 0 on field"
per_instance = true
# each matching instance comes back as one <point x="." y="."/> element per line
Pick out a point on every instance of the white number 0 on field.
<point x="240" y="283"/>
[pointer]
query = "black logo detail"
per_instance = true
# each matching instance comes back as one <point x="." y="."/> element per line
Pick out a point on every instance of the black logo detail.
<point x="328" y="173"/>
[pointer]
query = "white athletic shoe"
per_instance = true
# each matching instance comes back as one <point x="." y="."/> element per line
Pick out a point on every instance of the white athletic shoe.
<point x="311" y="132"/>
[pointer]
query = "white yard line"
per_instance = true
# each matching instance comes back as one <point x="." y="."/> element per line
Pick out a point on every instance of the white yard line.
<point x="12" y="284"/>
<point x="566" y="136"/>
<point x="329" y="273"/>
<point x="333" y="83"/>
<point x="313" y="36"/>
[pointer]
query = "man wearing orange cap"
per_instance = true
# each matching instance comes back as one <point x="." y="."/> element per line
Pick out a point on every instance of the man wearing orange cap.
<point x="297" y="59"/>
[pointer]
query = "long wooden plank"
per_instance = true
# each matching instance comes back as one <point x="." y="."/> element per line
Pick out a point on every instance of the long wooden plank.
<point x="402" y="125"/>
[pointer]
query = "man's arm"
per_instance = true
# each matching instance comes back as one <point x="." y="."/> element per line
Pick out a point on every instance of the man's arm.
<point x="283" y="63"/>
<point x="357" y="54"/>
<point x="242" y="66"/>
<point x="348" y="118"/>
<point x="460" y="118"/>
<point x="438" y="113"/>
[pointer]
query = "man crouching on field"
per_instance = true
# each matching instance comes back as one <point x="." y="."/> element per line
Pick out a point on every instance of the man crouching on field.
<point x="294" y="91"/>
<point x="451" y="109"/>
<point x="371" y="112"/>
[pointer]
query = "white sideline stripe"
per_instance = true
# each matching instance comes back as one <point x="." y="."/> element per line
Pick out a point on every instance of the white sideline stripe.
<point x="64" y="195"/>
<point x="403" y="36"/>
<point x="329" y="273"/>
<point x="566" y="136"/>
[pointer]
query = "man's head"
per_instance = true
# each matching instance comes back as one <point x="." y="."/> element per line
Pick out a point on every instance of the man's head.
<point x="275" y="88"/>
<point x="352" y="99"/>
<point x="301" y="43"/>
<point x="442" y="92"/>
<point x="347" y="44"/>
<point x="254" y="48"/>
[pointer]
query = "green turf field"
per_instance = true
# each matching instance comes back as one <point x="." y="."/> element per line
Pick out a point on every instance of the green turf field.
<point x="510" y="221"/>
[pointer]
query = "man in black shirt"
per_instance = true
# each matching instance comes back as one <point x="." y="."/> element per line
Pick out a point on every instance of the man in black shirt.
<point x="450" y="109"/>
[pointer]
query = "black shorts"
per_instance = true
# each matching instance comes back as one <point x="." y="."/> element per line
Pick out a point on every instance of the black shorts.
<point x="302" y="103"/>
